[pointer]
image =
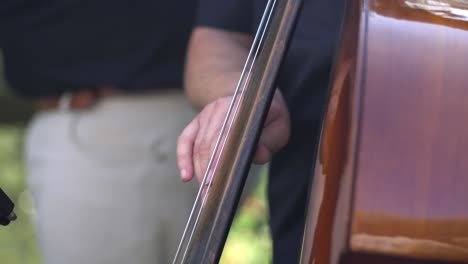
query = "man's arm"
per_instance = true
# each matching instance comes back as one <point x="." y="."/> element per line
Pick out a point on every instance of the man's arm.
<point x="215" y="61"/>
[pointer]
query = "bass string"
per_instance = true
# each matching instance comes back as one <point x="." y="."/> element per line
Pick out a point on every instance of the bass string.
<point x="232" y="112"/>
<point x="237" y="107"/>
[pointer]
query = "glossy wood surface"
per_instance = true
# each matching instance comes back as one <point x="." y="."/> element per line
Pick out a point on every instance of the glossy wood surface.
<point x="333" y="172"/>
<point x="370" y="258"/>
<point x="391" y="180"/>
<point x="411" y="186"/>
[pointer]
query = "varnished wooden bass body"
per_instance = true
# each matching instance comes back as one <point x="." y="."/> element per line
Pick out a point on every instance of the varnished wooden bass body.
<point x="391" y="178"/>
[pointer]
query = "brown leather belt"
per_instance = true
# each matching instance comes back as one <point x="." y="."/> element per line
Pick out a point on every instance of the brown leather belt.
<point x="78" y="100"/>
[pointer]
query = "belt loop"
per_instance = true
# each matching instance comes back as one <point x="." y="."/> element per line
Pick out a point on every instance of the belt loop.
<point x="65" y="102"/>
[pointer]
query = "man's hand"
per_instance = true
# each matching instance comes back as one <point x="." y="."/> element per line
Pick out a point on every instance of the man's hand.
<point x="197" y="141"/>
<point x="214" y="64"/>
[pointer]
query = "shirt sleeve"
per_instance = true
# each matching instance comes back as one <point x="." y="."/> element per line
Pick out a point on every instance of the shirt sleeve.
<point x="230" y="15"/>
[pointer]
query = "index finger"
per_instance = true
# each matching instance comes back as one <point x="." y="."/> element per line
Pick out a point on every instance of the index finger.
<point x="185" y="144"/>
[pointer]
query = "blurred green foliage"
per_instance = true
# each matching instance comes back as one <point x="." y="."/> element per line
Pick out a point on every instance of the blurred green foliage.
<point x="248" y="241"/>
<point x="17" y="241"/>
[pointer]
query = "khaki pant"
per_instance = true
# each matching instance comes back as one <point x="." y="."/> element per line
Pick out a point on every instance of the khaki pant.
<point x="105" y="180"/>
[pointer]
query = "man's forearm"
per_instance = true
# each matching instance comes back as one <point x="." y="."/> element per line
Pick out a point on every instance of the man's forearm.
<point x="214" y="63"/>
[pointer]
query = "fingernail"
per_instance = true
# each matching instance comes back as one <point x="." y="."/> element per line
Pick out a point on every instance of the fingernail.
<point x="183" y="173"/>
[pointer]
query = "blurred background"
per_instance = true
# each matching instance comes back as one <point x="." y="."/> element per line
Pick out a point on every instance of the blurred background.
<point x="248" y="240"/>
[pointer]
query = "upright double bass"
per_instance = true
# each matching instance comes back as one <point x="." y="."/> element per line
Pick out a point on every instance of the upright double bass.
<point x="391" y="177"/>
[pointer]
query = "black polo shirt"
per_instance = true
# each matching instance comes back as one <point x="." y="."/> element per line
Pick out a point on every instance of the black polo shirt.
<point x="51" y="46"/>
<point x="303" y="80"/>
